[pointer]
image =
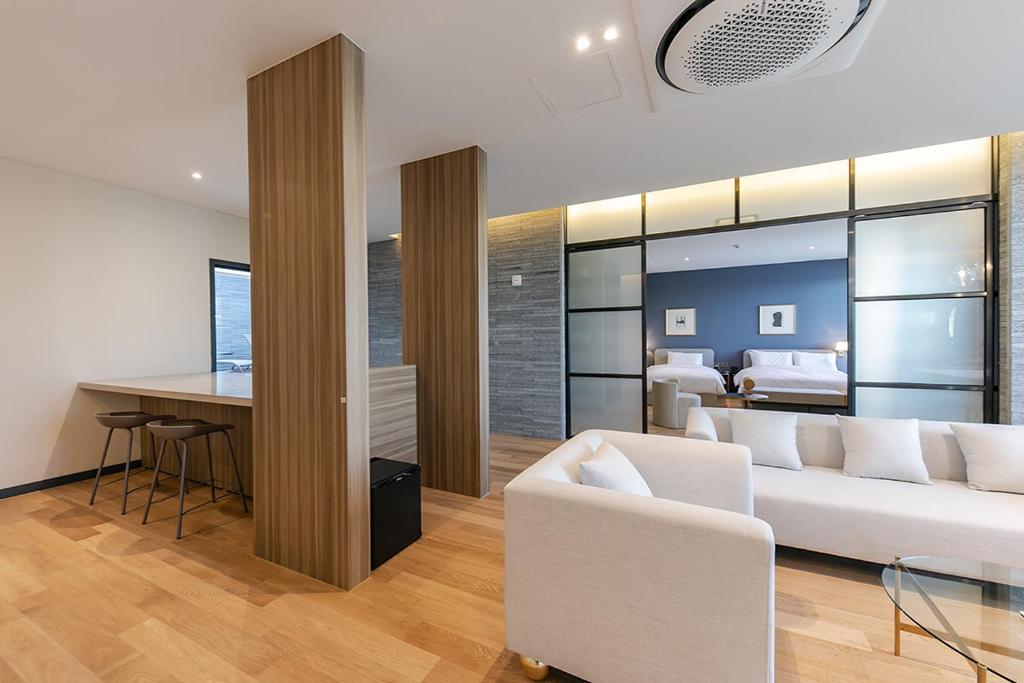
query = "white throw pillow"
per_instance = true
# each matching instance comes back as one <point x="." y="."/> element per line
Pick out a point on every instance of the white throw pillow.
<point x="608" y="468"/>
<point x="994" y="455"/>
<point x="763" y="359"/>
<point x="690" y="359"/>
<point x="699" y="425"/>
<point x="815" y="360"/>
<point x="881" y="448"/>
<point x="770" y="436"/>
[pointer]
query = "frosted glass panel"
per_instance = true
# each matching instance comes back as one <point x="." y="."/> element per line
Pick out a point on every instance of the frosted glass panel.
<point x="605" y="403"/>
<point x="608" y="342"/>
<point x="926" y="254"/>
<point x="604" y="278"/>
<point x="957" y="169"/>
<point x="694" y="206"/>
<point x="929" y="341"/>
<point x="924" y="404"/>
<point x="605" y="219"/>
<point x="822" y="188"/>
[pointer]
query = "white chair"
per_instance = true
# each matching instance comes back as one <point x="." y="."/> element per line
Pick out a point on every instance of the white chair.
<point x="611" y="586"/>
<point x="671" y="406"/>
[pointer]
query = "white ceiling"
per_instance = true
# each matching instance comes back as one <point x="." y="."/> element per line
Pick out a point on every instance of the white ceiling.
<point x="816" y="241"/>
<point x="142" y="93"/>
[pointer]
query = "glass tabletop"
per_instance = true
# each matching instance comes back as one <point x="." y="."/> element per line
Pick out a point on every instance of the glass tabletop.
<point x="972" y="607"/>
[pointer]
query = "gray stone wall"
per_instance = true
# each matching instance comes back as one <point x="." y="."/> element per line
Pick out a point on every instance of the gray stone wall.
<point x="384" y="283"/>
<point x="527" y="346"/>
<point x="233" y="315"/>
<point x="1011" y="278"/>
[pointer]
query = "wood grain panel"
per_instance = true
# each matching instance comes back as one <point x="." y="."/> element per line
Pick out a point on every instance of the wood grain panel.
<point x="307" y="221"/>
<point x="444" y="306"/>
<point x="241" y="437"/>
<point x="393" y="413"/>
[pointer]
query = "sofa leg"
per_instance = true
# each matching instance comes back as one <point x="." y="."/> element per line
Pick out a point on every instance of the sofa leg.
<point x="534" y="670"/>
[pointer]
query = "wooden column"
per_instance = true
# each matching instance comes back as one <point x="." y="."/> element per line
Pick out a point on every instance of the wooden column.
<point x="444" y="310"/>
<point x="307" y="225"/>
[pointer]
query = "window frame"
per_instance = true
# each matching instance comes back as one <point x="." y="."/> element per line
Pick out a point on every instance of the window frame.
<point x="214" y="265"/>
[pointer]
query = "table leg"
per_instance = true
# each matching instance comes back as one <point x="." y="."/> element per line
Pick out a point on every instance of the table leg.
<point x="982" y="672"/>
<point x="897" y="620"/>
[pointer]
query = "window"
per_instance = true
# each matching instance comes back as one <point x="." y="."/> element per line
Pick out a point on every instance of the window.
<point x="230" y="316"/>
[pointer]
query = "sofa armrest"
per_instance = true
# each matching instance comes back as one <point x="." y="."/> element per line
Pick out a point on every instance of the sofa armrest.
<point x="707" y="473"/>
<point x="610" y="586"/>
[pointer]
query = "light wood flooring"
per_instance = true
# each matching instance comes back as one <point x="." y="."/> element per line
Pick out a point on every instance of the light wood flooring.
<point x="86" y="595"/>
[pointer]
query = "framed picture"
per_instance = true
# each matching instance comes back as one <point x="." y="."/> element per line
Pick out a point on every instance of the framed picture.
<point x="680" y="322"/>
<point x="777" y="319"/>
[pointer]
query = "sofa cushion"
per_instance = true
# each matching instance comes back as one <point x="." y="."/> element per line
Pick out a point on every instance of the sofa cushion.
<point x="771" y="437"/>
<point x="995" y="456"/>
<point x="608" y="468"/>
<point x="699" y="425"/>
<point x="820" y="509"/>
<point x="880" y="448"/>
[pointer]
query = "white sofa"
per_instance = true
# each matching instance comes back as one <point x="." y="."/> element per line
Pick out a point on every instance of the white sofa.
<point x="615" y="587"/>
<point x="821" y="509"/>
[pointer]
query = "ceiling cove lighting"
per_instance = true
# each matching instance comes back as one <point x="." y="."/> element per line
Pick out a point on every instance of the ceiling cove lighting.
<point x="196" y="175"/>
<point x="611" y="33"/>
<point x="582" y="43"/>
<point x="395" y="235"/>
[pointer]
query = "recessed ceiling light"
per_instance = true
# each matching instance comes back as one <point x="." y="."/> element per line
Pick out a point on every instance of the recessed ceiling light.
<point x="811" y="247"/>
<point x="583" y="43"/>
<point x="687" y="258"/>
<point x="611" y="33"/>
<point x="196" y="175"/>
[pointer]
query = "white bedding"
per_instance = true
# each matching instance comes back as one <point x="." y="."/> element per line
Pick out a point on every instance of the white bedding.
<point x="692" y="379"/>
<point x="793" y="377"/>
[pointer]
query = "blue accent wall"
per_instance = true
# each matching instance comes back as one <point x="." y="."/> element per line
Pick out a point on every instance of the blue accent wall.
<point x="727" y="300"/>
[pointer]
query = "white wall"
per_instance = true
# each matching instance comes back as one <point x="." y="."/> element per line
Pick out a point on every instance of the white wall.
<point x="96" y="282"/>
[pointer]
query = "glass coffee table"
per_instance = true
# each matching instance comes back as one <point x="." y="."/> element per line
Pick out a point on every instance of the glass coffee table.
<point x="973" y="608"/>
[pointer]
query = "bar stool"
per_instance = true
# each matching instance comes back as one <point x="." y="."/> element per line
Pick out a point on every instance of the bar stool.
<point x="127" y="420"/>
<point x="176" y="430"/>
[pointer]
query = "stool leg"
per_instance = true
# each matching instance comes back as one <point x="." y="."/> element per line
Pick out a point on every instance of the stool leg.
<point x="181" y="468"/>
<point x="99" y="470"/>
<point x="238" y="476"/>
<point x="209" y="459"/>
<point x="181" y="488"/>
<point x="152" y="446"/>
<point x="127" y="470"/>
<point x="156" y="474"/>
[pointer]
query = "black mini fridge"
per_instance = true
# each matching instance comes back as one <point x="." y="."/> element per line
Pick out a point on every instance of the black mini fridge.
<point x="394" y="508"/>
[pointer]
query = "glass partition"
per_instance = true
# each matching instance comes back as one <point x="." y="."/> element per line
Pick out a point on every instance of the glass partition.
<point x="953" y="170"/>
<point x="605" y="403"/>
<point x="692" y="207"/>
<point x="804" y="191"/>
<point x="924" y="404"/>
<point x="605" y="278"/>
<point x="605" y="219"/>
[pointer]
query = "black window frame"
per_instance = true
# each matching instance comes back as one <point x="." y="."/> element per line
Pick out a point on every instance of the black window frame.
<point x="214" y="265"/>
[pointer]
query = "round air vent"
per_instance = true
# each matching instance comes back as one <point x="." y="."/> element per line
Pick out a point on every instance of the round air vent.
<point x="719" y="45"/>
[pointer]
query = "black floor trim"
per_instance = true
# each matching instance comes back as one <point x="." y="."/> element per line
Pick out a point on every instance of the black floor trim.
<point x="61" y="480"/>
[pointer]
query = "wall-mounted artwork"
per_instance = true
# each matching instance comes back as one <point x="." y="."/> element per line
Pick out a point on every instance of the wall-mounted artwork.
<point x="777" y="319"/>
<point x="681" y="322"/>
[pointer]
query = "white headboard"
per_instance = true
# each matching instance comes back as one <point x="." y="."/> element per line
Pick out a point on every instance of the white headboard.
<point x="661" y="355"/>
<point x="746" y="354"/>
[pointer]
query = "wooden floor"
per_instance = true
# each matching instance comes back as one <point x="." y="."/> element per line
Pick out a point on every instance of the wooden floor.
<point x="86" y="595"/>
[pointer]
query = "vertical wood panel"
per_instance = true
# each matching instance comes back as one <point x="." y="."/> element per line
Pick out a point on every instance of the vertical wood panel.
<point x="307" y="204"/>
<point x="444" y="304"/>
<point x="241" y="437"/>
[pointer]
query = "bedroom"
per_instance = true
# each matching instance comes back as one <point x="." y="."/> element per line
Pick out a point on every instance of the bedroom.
<point x="760" y="311"/>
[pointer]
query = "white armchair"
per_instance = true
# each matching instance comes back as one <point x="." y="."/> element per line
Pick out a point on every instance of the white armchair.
<point x="614" y="587"/>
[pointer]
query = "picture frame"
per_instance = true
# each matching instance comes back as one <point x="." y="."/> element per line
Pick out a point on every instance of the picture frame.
<point x="680" y="322"/>
<point x="776" y="319"/>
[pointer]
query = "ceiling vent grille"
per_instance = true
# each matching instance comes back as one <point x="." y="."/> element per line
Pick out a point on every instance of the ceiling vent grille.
<point x="719" y="45"/>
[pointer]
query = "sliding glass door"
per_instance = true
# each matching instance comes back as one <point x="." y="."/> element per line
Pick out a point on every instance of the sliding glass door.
<point x="922" y="307"/>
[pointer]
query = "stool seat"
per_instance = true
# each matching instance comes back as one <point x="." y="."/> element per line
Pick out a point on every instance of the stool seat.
<point x="181" y="429"/>
<point x="128" y="419"/>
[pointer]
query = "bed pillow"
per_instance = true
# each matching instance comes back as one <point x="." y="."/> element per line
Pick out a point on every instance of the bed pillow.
<point x="994" y="455"/>
<point x="699" y="425"/>
<point x="685" y="359"/>
<point x="770" y="436"/>
<point x="815" y="360"/>
<point x="609" y="469"/>
<point x="882" y="448"/>
<point x="765" y="359"/>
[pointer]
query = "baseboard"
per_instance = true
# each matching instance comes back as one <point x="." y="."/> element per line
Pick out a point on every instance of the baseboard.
<point x="63" y="479"/>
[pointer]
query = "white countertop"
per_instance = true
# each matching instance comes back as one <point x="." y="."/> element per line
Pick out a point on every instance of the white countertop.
<point x="228" y="388"/>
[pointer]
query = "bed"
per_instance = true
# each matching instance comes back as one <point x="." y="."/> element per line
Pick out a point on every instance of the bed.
<point x="796" y="385"/>
<point x="692" y="379"/>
